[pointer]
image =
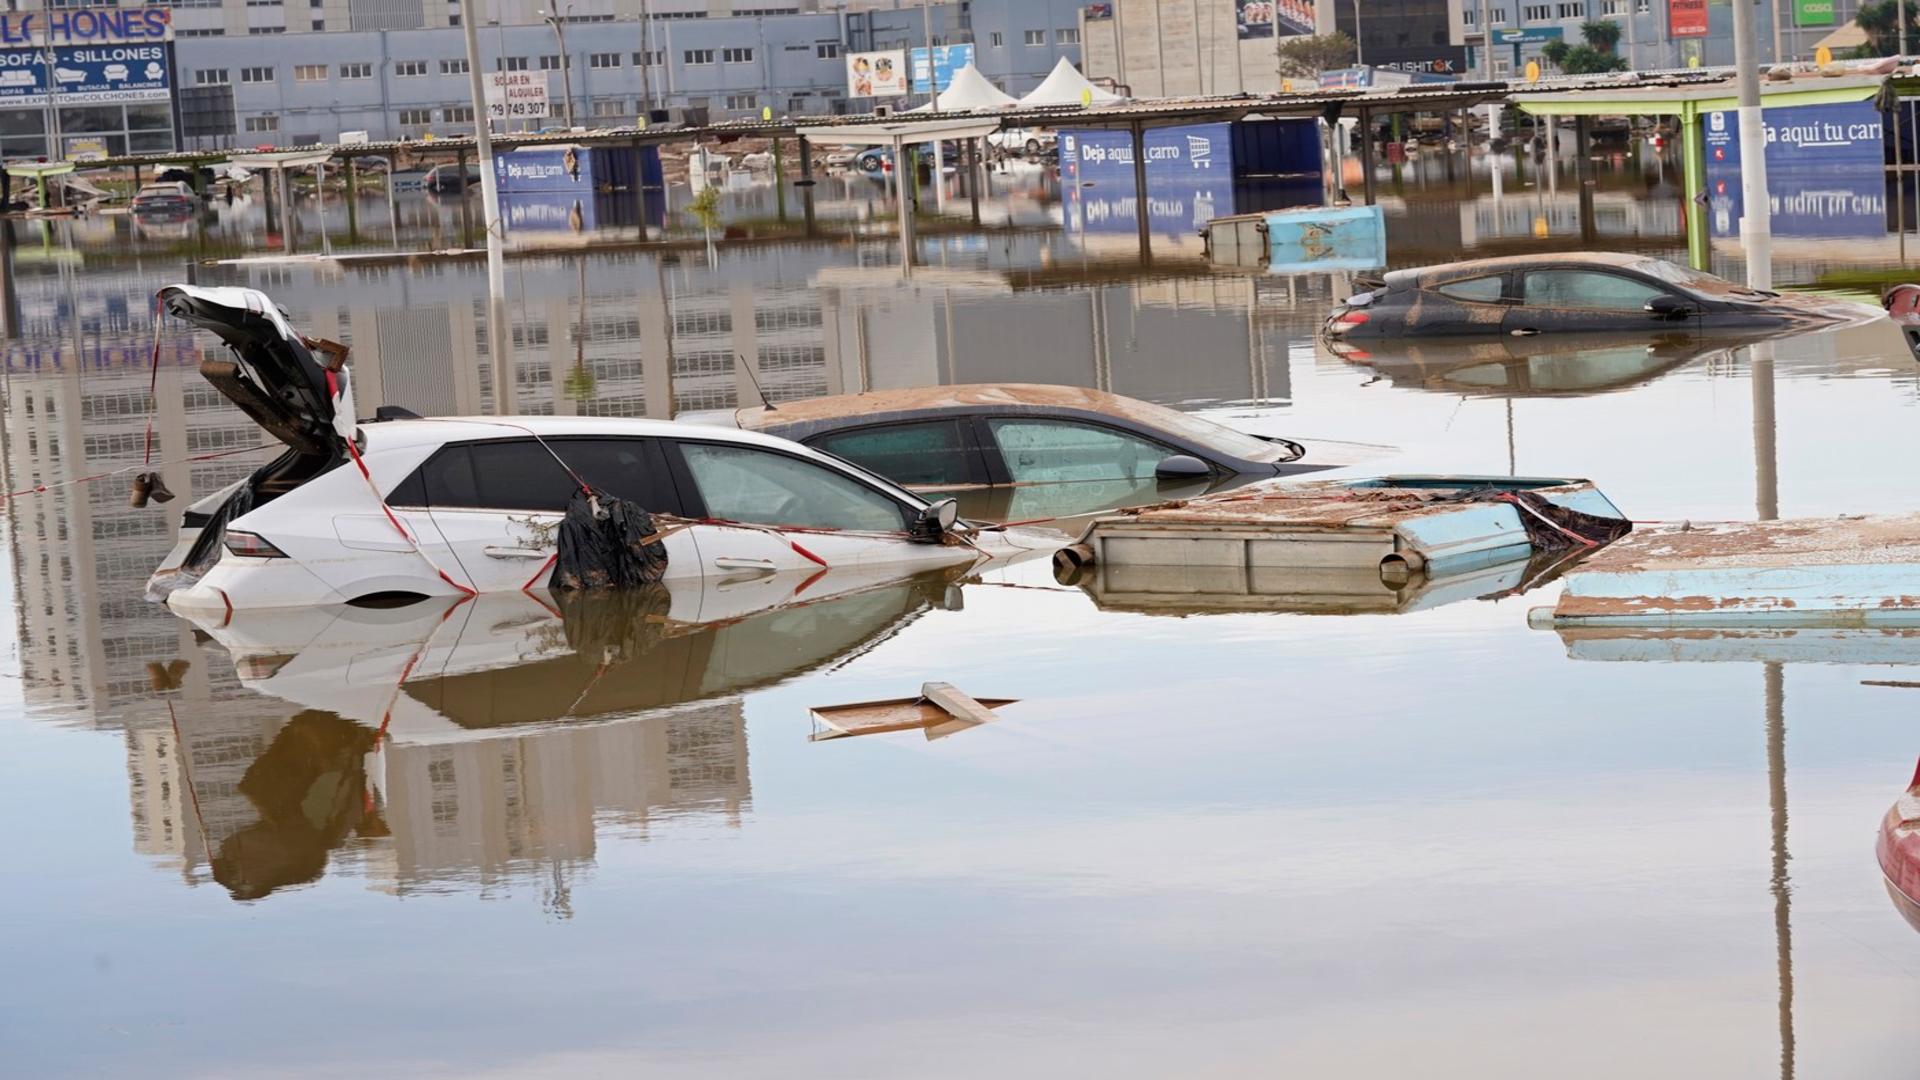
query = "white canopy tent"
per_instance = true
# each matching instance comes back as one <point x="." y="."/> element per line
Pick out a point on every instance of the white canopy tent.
<point x="1064" y="85"/>
<point x="969" y="91"/>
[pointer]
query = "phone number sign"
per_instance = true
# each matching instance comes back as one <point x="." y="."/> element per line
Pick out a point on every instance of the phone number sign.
<point x="516" y="95"/>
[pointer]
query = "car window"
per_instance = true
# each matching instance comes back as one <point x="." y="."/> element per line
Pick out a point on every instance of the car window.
<point x="1478" y="289"/>
<point x="1057" y="451"/>
<point x="1588" y="290"/>
<point x="933" y="453"/>
<point x="521" y="474"/>
<point x="744" y="483"/>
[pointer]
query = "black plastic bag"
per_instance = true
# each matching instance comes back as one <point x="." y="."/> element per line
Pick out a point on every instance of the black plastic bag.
<point x="607" y="543"/>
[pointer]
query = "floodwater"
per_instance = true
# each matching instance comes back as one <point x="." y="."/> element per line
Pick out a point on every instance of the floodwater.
<point x="1208" y="840"/>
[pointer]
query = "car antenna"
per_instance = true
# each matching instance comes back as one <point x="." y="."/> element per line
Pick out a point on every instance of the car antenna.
<point x="757" y="388"/>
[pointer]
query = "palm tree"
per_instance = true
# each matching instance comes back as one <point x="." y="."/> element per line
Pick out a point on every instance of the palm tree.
<point x="1880" y="20"/>
<point x="1603" y="35"/>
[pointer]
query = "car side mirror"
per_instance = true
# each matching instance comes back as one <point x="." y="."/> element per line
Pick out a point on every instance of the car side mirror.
<point x="937" y="519"/>
<point x="1669" y="307"/>
<point x="1181" y="467"/>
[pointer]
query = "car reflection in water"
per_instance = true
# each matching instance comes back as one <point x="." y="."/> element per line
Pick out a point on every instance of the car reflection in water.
<point x="1899" y="852"/>
<point x="1527" y="367"/>
<point x="513" y="722"/>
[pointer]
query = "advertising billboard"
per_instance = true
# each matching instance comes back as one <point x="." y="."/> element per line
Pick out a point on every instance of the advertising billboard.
<point x="1258" y="18"/>
<point x="877" y="74"/>
<point x="1817" y="204"/>
<point x="1813" y="12"/>
<point x="1803" y="136"/>
<point x="1686" y="18"/>
<point x="100" y="56"/>
<point x="1095" y="154"/>
<point x="947" y="59"/>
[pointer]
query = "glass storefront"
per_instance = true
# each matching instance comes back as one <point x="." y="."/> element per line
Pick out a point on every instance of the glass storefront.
<point x="118" y="129"/>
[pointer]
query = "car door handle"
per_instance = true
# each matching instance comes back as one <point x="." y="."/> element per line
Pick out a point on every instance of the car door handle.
<point x="729" y="562"/>
<point x="1525" y="331"/>
<point x="516" y="553"/>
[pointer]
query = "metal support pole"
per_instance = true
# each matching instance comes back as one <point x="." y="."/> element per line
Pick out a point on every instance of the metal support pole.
<point x="466" y="206"/>
<point x="806" y="183"/>
<point x="1366" y="153"/>
<point x="1756" y="218"/>
<point x="906" y="216"/>
<point x="1140" y="208"/>
<point x="973" y="178"/>
<point x="1693" y="175"/>
<point x="933" y="82"/>
<point x="779" y="181"/>
<point x="566" y="66"/>
<point x="353" y="201"/>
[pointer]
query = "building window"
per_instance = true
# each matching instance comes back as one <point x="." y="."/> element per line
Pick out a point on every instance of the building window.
<point x="263" y="30"/>
<point x="603" y="60"/>
<point x="416" y="117"/>
<point x="262" y="123"/>
<point x="318" y="24"/>
<point x="1575" y="10"/>
<point x="1066" y="37"/>
<point x="454" y="19"/>
<point x="996" y="39"/>
<point x="309" y="73"/>
<point x="736" y="56"/>
<point x="827" y="50"/>
<point x="1536" y="12"/>
<point x="459" y="114"/>
<point x="409" y="69"/>
<point x="211" y="77"/>
<point x="256" y="75"/>
<point x="742" y="101"/>
<point x="550" y="63"/>
<point x="695" y="57"/>
<point x="1036" y="37"/>
<point x="609" y="108"/>
<point x="513" y="63"/>
<point x="211" y="32"/>
<point x="653" y="57"/>
<point x="356" y="71"/>
<point x="453" y="67"/>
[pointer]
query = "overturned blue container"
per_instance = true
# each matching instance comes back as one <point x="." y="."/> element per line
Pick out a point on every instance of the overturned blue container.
<point x="1307" y="240"/>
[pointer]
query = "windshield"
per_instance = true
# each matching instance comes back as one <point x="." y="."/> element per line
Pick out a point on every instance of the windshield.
<point x="1698" y="282"/>
<point x="1205" y="432"/>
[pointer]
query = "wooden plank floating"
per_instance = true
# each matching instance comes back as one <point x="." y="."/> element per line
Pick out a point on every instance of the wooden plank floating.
<point x="940" y="710"/>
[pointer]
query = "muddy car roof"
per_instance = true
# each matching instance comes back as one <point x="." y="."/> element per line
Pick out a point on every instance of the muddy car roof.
<point x="1471" y="267"/>
<point x="963" y="396"/>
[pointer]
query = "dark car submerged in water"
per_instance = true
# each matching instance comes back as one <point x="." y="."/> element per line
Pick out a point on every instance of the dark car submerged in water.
<point x="1578" y="292"/>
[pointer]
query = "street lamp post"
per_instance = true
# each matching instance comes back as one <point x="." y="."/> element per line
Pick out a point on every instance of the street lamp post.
<point x="558" y="22"/>
<point x="1359" y="49"/>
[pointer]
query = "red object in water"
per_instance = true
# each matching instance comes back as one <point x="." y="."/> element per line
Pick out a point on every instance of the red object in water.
<point x="1899" y="850"/>
<point x="1903" y="303"/>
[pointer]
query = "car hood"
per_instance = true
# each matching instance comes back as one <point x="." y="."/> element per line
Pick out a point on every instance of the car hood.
<point x="273" y="376"/>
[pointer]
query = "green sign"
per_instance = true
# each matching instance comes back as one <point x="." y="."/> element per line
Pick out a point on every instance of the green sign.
<point x="1813" y="12"/>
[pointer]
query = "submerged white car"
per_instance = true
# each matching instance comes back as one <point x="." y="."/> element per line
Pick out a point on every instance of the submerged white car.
<point x="388" y="510"/>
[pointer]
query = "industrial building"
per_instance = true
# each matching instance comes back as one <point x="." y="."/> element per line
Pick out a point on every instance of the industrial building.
<point x="249" y="73"/>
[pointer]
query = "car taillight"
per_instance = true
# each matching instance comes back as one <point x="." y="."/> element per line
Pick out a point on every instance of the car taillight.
<point x="1347" y="320"/>
<point x="252" y="546"/>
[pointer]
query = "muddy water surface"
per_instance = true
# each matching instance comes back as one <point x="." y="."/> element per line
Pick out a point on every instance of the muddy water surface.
<point x="1215" y="838"/>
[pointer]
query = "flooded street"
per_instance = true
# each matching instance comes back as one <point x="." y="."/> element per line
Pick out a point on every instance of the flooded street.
<point x="1214" y="835"/>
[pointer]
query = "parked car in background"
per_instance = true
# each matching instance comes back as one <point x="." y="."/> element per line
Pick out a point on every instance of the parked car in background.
<point x="172" y="199"/>
<point x="481" y="498"/>
<point x="1025" y="141"/>
<point x="443" y="179"/>
<point x="1570" y="292"/>
<point x="1057" y="449"/>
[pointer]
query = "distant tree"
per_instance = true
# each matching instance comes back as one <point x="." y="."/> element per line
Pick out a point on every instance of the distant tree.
<point x="1555" y="52"/>
<point x="1881" y="21"/>
<point x="1603" y="35"/>
<point x="1304" y="57"/>
<point x="1587" y="60"/>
